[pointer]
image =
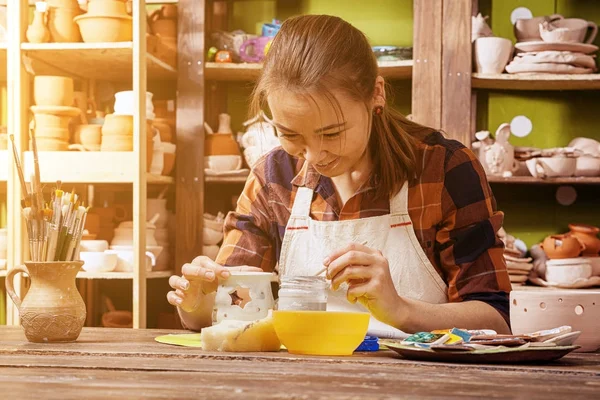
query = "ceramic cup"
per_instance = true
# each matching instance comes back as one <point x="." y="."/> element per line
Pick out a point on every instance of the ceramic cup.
<point x="551" y="167"/>
<point x="492" y="54"/>
<point x="528" y="29"/>
<point x="573" y="30"/>
<point x="223" y="163"/>
<point x="94" y="261"/>
<point x="255" y="49"/>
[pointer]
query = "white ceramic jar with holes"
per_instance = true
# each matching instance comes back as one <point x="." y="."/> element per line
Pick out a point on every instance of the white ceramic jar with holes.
<point x="256" y="284"/>
<point x="538" y="309"/>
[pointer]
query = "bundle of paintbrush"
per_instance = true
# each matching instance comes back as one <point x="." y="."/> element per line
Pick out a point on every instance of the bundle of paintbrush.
<point x="54" y="229"/>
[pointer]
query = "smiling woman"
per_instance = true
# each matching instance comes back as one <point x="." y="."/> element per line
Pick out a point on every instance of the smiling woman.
<point x="403" y="219"/>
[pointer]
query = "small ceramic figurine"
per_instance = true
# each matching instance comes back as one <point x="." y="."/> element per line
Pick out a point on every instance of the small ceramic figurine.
<point x="500" y="156"/>
<point x="479" y="27"/>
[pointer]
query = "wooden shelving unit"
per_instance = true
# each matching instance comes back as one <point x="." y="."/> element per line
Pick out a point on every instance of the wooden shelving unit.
<point x="536" y="82"/>
<point x="226" y="179"/>
<point x="249" y="72"/>
<point x="4" y="165"/>
<point x="548" y="181"/>
<point x="105" y="61"/>
<point x="3" y="50"/>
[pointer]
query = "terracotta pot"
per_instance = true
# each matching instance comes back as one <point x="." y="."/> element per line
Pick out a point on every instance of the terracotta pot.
<point x="52" y="133"/>
<point x="162" y="124"/>
<point x="53" y="310"/>
<point x="102" y="29"/>
<point x="588" y="235"/>
<point x="62" y="26"/>
<point x="117" y="143"/>
<point x="534" y="310"/>
<point x="53" y="90"/>
<point x="165" y="28"/>
<point x="562" y="246"/>
<point x="88" y="135"/>
<point x="117" y="125"/>
<point x="221" y="144"/>
<point x="106" y="7"/>
<point x="43" y="120"/>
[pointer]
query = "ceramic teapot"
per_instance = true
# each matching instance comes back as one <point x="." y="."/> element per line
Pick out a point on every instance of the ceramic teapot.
<point x="562" y="246"/>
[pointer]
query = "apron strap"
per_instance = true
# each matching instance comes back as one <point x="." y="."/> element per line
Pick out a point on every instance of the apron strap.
<point x="399" y="203"/>
<point x="301" y="207"/>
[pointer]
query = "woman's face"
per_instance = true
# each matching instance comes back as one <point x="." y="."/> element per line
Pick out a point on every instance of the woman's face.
<point x="334" y="140"/>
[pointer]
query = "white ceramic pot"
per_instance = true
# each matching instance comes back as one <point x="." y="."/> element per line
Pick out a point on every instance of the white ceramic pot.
<point x="492" y="54"/>
<point x="551" y="167"/>
<point x="567" y="274"/>
<point x="588" y="166"/>
<point x="94" y="261"/>
<point x="537" y="309"/>
<point x="223" y="163"/>
<point x="124" y="104"/>
<point x="125" y="258"/>
<point x="93" y="245"/>
<point x="595" y="263"/>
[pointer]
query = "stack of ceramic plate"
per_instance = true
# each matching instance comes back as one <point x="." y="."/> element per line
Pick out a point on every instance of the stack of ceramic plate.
<point x="518" y="269"/>
<point x="553" y="58"/>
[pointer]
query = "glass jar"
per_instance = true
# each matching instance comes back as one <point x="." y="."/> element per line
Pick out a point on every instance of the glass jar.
<point x="305" y="293"/>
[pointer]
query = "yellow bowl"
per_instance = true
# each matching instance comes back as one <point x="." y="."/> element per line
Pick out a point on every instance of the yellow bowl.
<point x="321" y="333"/>
<point x="105" y="28"/>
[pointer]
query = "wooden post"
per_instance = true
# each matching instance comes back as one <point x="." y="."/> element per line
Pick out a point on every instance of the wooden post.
<point x="190" y="133"/>
<point x="427" y="55"/>
<point x="457" y="120"/>
<point x="139" y="181"/>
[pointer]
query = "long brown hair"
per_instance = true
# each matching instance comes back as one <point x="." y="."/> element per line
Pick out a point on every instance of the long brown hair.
<point x="322" y="53"/>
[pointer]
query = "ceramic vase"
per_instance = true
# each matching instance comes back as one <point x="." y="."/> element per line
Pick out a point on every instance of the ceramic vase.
<point x="53" y="310"/>
<point x="37" y="32"/>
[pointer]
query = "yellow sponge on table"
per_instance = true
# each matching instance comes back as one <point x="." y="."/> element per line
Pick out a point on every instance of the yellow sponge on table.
<point x="241" y="336"/>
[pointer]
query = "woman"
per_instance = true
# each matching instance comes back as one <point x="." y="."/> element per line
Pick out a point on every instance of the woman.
<point x="403" y="219"/>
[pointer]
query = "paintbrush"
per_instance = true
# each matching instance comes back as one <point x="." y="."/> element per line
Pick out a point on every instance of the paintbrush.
<point x="69" y="245"/>
<point x="55" y="225"/>
<point x="75" y="254"/>
<point x="24" y="190"/>
<point x="67" y="211"/>
<point x="36" y="168"/>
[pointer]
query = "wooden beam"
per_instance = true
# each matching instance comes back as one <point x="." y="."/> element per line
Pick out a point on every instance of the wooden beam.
<point x="427" y="54"/>
<point x="456" y="70"/>
<point x="190" y="133"/>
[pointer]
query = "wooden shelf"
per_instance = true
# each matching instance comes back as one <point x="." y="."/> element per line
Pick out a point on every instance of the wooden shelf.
<point x="225" y="179"/>
<point x="3" y="61"/>
<point x="87" y="167"/>
<point x="122" y="275"/>
<point x="4" y="165"/>
<point x="536" y="82"/>
<point x="548" y="181"/>
<point x="249" y="72"/>
<point x="103" y="61"/>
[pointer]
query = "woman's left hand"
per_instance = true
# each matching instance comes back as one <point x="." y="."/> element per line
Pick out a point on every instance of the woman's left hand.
<point x="367" y="273"/>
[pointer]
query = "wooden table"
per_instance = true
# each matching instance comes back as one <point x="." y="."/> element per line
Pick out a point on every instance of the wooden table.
<point x="125" y="364"/>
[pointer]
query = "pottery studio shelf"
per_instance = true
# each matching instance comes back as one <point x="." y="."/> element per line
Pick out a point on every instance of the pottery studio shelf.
<point x="249" y="72"/>
<point x="3" y="61"/>
<point x="102" y="61"/>
<point x="536" y="82"/>
<point x="3" y="165"/>
<point x="88" y="167"/>
<point x="225" y="179"/>
<point x="122" y="275"/>
<point x="547" y="181"/>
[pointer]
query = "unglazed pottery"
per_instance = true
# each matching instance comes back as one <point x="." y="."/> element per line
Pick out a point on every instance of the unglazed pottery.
<point x="114" y="125"/>
<point x="101" y="29"/>
<point x="107" y="7"/>
<point x="588" y="235"/>
<point x="535" y="310"/>
<point x="562" y="246"/>
<point x="164" y="129"/>
<point x="552" y="167"/>
<point x="535" y="46"/>
<point x="572" y="30"/>
<point x="62" y="26"/>
<point x="38" y="32"/>
<point x="500" y="156"/>
<point x="53" y="90"/>
<point x="528" y="29"/>
<point x="52" y="310"/>
<point x="567" y="274"/>
<point x="492" y="54"/>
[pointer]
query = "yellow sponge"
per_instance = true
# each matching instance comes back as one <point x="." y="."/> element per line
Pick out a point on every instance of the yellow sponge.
<point x="241" y="336"/>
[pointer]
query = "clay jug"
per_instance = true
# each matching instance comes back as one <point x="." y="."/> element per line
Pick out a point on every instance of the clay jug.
<point x="53" y="310"/>
<point x="588" y="235"/>
<point x="562" y="246"/>
<point x="61" y="25"/>
<point x="221" y="143"/>
<point x="37" y="32"/>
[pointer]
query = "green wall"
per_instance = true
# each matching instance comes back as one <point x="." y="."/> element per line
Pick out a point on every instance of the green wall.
<point x="532" y="211"/>
<point x="385" y="22"/>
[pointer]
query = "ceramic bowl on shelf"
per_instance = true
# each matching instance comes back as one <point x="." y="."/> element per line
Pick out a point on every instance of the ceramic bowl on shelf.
<point x="595" y="263"/>
<point x="567" y="274"/>
<point x="117" y="125"/>
<point x="47" y="120"/>
<point x="552" y="167"/>
<point x="62" y="134"/>
<point x="587" y="166"/>
<point x="93" y="245"/>
<point x="105" y="28"/>
<point x="53" y="90"/>
<point x="125" y="258"/>
<point x="538" y="309"/>
<point x="117" y="143"/>
<point x="587" y="146"/>
<point x="98" y="261"/>
<point x="88" y="135"/>
<point x="223" y="163"/>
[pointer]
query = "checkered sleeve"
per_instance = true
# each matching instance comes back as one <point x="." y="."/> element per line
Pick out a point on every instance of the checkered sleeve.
<point x="471" y="254"/>
<point x="247" y="240"/>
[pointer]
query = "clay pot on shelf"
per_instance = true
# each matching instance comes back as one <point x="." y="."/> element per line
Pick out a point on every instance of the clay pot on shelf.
<point x="528" y="29"/>
<point x="38" y="32"/>
<point x="117" y="125"/>
<point x="107" y="7"/>
<point x="588" y="236"/>
<point x="102" y="29"/>
<point x="572" y="30"/>
<point x="62" y="26"/>
<point x="562" y="246"/>
<point x="492" y="54"/>
<point x="51" y="121"/>
<point x="221" y="143"/>
<point x="90" y="136"/>
<point x="162" y="124"/>
<point x="53" y="310"/>
<point x="53" y="90"/>
<point x="61" y="134"/>
<point x="117" y="143"/>
<point x="50" y="144"/>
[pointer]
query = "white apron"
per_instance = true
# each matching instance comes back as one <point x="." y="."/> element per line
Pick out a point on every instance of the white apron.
<point x="307" y="242"/>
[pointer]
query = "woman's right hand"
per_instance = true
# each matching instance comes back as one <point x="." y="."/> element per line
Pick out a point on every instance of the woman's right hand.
<point x="199" y="278"/>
